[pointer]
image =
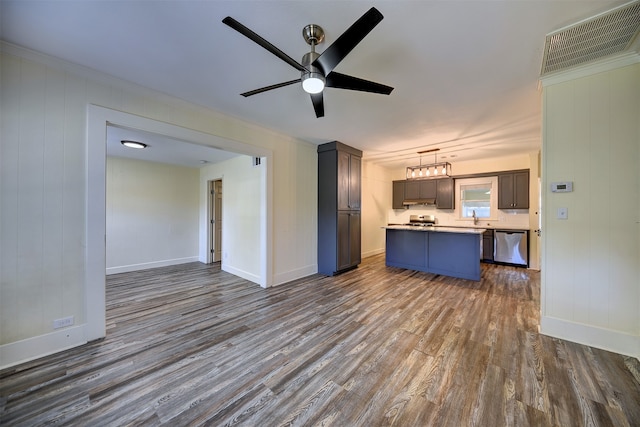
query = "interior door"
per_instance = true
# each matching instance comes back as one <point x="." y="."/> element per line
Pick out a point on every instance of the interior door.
<point x="217" y="220"/>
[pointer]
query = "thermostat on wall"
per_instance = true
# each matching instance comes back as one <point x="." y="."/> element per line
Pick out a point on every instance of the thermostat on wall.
<point x="562" y="187"/>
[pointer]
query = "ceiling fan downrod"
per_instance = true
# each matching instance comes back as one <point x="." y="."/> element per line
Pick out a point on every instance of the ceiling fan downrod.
<point x="313" y="79"/>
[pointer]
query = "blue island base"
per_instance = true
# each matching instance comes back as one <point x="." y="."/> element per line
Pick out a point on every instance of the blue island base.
<point x="455" y="254"/>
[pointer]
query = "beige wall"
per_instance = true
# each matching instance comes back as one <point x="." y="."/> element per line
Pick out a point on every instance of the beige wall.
<point x="591" y="261"/>
<point x="241" y="212"/>
<point x="152" y="214"/>
<point x="43" y="201"/>
<point x="376" y="201"/>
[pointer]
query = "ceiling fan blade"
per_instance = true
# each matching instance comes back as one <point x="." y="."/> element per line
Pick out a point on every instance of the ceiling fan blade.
<point x="262" y="42"/>
<point x="348" y="40"/>
<point x="318" y="104"/>
<point x="343" y="81"/>
<point x="266" y="88"/>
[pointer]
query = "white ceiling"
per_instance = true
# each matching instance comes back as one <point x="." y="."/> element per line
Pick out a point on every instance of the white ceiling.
<point x="465" y="73"/>
<point x="162" y="149"/>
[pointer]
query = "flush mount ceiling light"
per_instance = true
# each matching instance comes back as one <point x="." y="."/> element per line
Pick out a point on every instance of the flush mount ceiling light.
<point x="431" y="170"/>
<point x="133" y="144"/>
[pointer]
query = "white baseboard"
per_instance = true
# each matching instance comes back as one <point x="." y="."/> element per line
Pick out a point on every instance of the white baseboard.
<point x="14" y="353"/>
<point x="241" y="273"/>
<point x="147" y="265"/>
<point x="605" y="339"/>
<point x="372" y="252"/>
<point x="291" y="275"/>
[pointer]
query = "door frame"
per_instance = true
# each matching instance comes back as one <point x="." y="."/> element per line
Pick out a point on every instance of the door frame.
<point x="214" y="254"/>
<point x="98" y="118"/>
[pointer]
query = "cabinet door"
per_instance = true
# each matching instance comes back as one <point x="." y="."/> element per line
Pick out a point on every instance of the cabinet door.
<point x="505" y="191"/>
<point x="412" y="190"/>
<point x="487" y="245"/>
<point x="354" y="239"/>
<point x="445" y="197"/>
<point x="398" y="195"/>
<point x="521" y="190"/>
<point x="428" y="189"/>
<point x="348" y="239"/>
<point x="344" y="178"/>
<point x="354" y="181"/>
<point x="344" y="254"/>
<point x="513" y="191"/>
<point x="349" y="167"/>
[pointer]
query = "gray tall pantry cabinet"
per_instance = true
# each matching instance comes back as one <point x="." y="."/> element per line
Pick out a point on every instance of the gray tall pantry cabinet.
<point x="339" y="175"/>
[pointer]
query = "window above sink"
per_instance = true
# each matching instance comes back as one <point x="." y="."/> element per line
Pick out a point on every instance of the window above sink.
<point x="477" y="196"/>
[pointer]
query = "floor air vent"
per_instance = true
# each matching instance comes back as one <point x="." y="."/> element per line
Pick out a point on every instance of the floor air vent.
<point x="592" y="39"/>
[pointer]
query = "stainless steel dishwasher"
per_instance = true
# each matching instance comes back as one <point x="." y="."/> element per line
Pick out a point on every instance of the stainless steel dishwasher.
<point x="511" y="246"/>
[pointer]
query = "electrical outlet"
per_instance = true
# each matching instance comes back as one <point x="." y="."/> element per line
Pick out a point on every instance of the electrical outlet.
<point x="63" y="323"/>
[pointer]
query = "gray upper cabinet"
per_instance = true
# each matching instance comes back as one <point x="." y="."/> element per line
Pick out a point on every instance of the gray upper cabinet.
<point x="349" y="171"/>
<point x="445" y="193"/>
<point x="513" y="190"/>
<point x="397" y="201"/>
<point x="428" y="191"/>
<point x="411" y="190"/>
<point x="420" y="190"/>
<point x="339" y="201"/>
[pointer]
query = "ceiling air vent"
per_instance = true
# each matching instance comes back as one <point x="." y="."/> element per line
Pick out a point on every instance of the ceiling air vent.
<point x="592" y="39"/>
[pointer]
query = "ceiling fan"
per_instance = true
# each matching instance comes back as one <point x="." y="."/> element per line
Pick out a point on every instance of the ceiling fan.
<point x="316" y="70"/>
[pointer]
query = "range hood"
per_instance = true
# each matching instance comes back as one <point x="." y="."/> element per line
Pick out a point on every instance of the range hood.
<point x="409" y="202"/>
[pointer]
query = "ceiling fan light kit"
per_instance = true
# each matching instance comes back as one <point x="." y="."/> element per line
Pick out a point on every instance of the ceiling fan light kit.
<point x="316" y="70"/>
<point x="313" y="82"/>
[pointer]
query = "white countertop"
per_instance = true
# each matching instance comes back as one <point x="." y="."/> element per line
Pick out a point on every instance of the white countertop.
<point x="438" y="229"/>
<point x="483" y="227"/>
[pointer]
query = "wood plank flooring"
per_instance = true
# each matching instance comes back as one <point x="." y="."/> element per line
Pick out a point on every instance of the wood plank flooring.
<point x="377" y="346"/>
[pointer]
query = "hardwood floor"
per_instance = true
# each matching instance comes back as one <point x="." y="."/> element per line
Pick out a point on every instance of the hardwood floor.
<point x="191" y="345"/>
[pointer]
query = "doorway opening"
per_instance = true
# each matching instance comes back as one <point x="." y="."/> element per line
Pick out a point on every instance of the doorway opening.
<point x="215" y="221"/>
<point x="98" y="118"/>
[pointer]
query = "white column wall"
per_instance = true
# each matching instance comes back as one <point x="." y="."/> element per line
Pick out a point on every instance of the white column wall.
<point x="376" y="202"/>
<point x="591" y="261"/>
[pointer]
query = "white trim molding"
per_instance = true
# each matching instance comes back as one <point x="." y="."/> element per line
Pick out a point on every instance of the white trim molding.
<point x="97" y="120"/>
<point x="605" y="339"/>
<point x="299" y="273"/>
<point x="607" y="64"/>
<point x="148" y="265"/>
<point x="43" y="345"/>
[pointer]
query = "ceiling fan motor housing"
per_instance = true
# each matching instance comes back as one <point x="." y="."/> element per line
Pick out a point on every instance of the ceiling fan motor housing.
<point x="313" y="80"/>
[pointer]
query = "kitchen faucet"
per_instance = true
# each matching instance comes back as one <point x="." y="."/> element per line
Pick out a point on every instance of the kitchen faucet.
<point x="475" y="218"/>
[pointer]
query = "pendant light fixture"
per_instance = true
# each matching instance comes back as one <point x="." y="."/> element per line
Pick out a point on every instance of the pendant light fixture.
<point x="432" y="170"/>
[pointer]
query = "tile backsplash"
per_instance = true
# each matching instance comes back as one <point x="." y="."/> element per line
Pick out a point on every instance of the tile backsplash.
<point x="504" y="218"/>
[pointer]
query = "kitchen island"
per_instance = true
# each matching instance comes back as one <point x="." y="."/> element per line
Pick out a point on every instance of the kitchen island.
<point x="441" y="250"/>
